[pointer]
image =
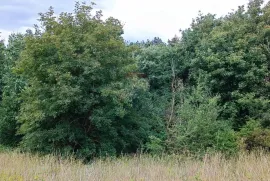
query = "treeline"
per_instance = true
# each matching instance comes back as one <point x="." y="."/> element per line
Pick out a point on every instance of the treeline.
<point x="75" y="86"/>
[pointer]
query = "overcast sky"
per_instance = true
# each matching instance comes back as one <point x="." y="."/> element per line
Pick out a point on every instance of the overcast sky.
<point x="143" y="19"/>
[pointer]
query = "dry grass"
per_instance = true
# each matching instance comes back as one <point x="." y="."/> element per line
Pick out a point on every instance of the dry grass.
<point x="23" y="167"/>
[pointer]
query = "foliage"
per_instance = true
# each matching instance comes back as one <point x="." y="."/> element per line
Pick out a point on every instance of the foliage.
<point x="253" y="136"/>
<point x="197" y="129"/>
<point x="80" y="96"/>
<point x="158" y="62"/>
<point x="12" y="86"/>
<point x="75" y="86"/>
<point x="2" y="59"/>
<point x="229" y="51"/>
<point x="155" y="145"/>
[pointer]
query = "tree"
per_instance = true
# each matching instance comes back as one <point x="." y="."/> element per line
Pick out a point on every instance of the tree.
<point x="197" y="128"/>
<point x="79" y="96"/>
<point x="229" y="52"/>
<point x="12" y="85"/>
<point x="2" y="59"/>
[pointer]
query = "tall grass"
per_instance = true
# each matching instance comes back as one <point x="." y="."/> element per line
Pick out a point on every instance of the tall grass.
<point x="24" y="167"/>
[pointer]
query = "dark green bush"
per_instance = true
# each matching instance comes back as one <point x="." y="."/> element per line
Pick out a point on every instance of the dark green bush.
<point x="253" y="136"/>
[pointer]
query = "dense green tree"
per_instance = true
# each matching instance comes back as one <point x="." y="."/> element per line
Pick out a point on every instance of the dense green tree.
<point x="2" y="59"/>
<point x="229" y="52"/>
<point x="198" y="129"/>
<point x="80" y="91"/>
<point x="12" y="86"/>
<point x="161" y="64"/>
<point x="164" y="72"/>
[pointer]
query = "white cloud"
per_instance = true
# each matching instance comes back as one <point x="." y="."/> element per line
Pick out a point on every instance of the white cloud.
<point x="5" y="34"/>
<point x="148" y="18"/>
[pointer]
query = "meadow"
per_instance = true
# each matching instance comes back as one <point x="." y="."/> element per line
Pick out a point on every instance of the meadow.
<point x="24" y="167"/>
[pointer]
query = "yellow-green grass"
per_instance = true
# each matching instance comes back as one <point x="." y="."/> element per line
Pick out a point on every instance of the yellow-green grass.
<point x="24" y="167"/>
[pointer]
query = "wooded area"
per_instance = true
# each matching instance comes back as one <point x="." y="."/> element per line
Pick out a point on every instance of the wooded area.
<point x="75" y="86"/>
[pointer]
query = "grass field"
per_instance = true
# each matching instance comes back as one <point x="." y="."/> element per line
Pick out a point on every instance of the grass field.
<point x="23" y="167"/>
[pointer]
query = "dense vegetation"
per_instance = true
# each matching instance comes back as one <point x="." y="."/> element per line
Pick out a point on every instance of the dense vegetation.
<point x="75" y="86"/>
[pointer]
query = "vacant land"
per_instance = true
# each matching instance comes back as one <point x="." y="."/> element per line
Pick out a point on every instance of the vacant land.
<point x="23" y="167"/>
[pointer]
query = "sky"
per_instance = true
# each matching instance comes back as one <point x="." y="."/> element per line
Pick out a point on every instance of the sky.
<point x="142" y="19"/>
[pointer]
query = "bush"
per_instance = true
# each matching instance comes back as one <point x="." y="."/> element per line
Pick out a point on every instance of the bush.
<point x="252" y="136"/>
<point x="155" y="145"/>
<point x="198" y="129"/>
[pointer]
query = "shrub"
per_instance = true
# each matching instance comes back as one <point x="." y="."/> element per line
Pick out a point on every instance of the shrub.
<point x="252" y="136"/>
<point x="197" y="129"/>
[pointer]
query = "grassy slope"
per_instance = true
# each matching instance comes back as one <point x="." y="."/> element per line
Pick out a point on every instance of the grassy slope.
<point x="22" y="167"/>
